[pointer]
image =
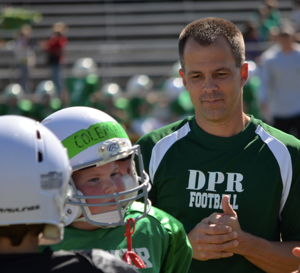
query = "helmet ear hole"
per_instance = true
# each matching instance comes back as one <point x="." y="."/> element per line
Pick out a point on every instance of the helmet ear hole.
<point x="38" y="134"/>
<point x="40" y="157"/>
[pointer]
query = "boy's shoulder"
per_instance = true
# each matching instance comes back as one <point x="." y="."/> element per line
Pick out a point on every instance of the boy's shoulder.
<point x="156" y="216"/>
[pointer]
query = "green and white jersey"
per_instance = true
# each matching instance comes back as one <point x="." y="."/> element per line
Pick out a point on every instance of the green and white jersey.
<point x="259" y="169"/>
<point x="159" y="239"/>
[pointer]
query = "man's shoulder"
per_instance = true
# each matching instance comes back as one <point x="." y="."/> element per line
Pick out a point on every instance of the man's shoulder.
<point x="287" y="140"/>
<point x="156" y="135"/>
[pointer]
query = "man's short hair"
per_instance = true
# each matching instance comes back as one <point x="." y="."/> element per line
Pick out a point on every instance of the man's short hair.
<point x="16" y="233"/>
<point x="205" y="31"/>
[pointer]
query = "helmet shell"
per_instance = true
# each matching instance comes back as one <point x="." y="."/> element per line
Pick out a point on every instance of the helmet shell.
<point x="85" y="134"/>
<point x="84" y="67"/>
<point x="34" y="173"/>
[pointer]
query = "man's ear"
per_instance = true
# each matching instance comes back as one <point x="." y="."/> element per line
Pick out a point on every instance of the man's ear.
<point x="244" y="73"/>
<point x="182" y="75"/>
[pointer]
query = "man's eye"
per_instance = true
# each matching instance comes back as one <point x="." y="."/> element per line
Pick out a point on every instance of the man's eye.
<point x="195" y="76"/>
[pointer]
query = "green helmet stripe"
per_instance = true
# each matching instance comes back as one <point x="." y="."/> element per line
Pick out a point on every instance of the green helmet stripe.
<point x="96" y="133"/>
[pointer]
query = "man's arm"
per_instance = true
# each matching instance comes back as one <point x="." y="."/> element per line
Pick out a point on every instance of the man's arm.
<point x="269" y="256"/>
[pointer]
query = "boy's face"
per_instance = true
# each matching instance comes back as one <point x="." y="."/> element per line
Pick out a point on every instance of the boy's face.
<point x="125" y="166"/>
<point x="100" y="180"/>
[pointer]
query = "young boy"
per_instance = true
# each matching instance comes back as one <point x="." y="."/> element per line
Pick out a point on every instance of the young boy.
<point x="105" y="187"/>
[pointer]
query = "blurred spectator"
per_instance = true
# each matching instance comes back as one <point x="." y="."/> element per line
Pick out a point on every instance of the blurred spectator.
<point x="296" y="15"/>
<point x="55" y="50"/>
<point x="251" y="38"/>
<point x="25" y="55"/>
<point x="267" y="17"/>
<point x="250" y="91"/>
<point x="280" y="84"/>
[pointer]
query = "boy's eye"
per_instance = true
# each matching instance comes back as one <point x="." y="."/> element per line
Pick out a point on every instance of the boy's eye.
<point x="95" y="179"/>
<point x="114" y="174"/>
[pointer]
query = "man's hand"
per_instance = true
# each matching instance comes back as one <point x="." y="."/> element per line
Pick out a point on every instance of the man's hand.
<point x="209" y="241"/>
<point x="228" y="218"/>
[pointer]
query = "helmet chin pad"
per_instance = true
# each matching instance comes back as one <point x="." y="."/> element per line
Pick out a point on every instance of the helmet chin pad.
<point x="129" y="184"/>
<point x="51" y="234"/>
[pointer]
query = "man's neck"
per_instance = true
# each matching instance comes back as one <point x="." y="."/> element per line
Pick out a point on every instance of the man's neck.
<point x="288" y="48"/>
<point x="226" y="129"/>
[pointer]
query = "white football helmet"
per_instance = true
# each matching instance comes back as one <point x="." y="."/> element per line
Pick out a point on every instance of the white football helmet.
<point x="94" y="138"/>
<point x="138" y="85"/>
<point x="15" y="90"/>
<point x="173" y="87"/>
<point x="84" y="67"/>
<point x="111" y="90"/>
<point x="34" y="174"/>
<point x="45" y="88"/>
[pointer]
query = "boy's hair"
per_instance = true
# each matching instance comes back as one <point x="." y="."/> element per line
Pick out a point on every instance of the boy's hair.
<point x="16" y="233"/>
<point x="205" y="31"/>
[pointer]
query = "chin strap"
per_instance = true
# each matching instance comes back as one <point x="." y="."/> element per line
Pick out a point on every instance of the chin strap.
<point x="130" y="255"/>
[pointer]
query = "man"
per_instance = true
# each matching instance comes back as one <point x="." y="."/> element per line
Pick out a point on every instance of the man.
<point x="105" y="185"/>
<point x="34" y="175"/>
<point x="280" y="81"/>
<point x="221" y="151"/>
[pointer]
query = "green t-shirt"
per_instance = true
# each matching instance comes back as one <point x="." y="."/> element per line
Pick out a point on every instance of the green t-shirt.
<point x="258" y="168"/>
<point x="159" y="239"/>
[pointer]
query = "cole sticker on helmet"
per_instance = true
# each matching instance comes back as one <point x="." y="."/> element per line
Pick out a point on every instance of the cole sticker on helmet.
<point x="95" y="134"/>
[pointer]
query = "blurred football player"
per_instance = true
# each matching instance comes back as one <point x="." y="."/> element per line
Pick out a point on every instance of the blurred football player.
<point x="14" y="101"/>
<point x="83" y="82"/>
<point x="47" y="100"/>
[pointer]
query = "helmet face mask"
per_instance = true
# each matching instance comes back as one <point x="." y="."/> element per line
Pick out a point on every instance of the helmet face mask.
<point x="97" y="140"/>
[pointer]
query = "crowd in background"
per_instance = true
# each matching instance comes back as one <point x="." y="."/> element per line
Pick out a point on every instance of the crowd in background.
<point x="139" y="107"/>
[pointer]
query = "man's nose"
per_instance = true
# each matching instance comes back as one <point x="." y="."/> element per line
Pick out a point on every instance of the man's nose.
<point x="209" y="84"/>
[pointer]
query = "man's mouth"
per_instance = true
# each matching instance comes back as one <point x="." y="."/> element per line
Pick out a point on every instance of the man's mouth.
<point x="211" y="102"/>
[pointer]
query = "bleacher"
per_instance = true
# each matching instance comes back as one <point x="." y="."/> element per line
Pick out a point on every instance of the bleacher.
<point x="124" y="37"/>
